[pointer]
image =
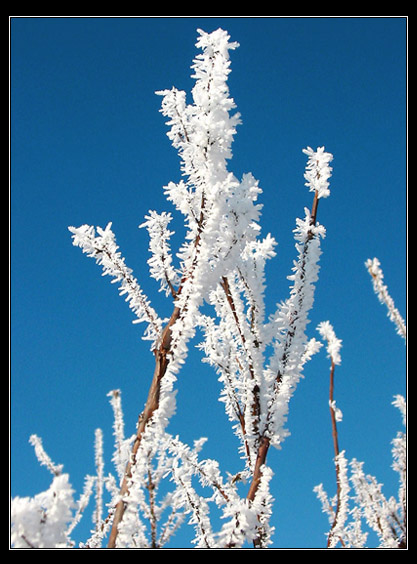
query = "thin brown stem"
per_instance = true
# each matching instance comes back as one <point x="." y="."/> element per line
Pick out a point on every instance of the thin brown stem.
<point x="332" y="412"/>
<point x="152" y="518"/>
<point x="162" y="354"/>
<point x="152" y="404"/>
<point x="314" y="209"/>
<point x="257" y="472"/>
<point x="336" y="453"/>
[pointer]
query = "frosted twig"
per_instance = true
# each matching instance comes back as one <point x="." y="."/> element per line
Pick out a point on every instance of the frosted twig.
<point x="381" y="290"/>
<point x="42" y="456"/>
<point x="102" y="246"/>
<point x="333" y="347"/>
<point x="99" y="483"/>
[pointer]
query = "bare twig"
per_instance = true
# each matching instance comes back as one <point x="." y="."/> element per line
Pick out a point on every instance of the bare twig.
<point x="336" y="453"/>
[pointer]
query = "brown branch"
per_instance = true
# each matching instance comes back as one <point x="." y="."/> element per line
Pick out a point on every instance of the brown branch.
<point x="314" y="211"/>
<point x="30" y="545"/>
<point x="151" y="489"/>
<point x="264" y="441"/>
<point x="152" y="404"/>
<point x="336" y="453"/>
<point x="257" y="473"/>
<point x="162" y="354"/>
<point x="226" y="287"/>
<point x="255" y="390"/>
<point x="332" y="411"/>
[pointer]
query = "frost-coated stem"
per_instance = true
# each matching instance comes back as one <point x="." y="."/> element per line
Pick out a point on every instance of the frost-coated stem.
<point x="99" y="462"/>
<point x="336" y="453"/>
<point x="381" y="290"/>
<point x="333" y="348"/>
<point x="152" y="404"/>
<point x="333" y="411"/>
<point x="294" y="318"/>
<point x="255" y="389"/>
<point x="265" y="441"/>
<point x="203" y="161"/>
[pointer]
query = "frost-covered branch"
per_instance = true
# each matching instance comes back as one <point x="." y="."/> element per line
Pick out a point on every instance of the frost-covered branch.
<point x="120" y="455"/>
<point x="43" y="457"/>
<point x="342" y="487"/>
<point x="102" y="246"/>
<point x="289" y="324"/>
<point x="381" y="290"/>
<point x="99" y="462"/>
<point x="333" y="349"/>
<point x="215" y="284"/>
<point x="222" y="261"/>
<point x="160" y="263"/>
<point x="386" y="517"/>
<point x="220" y="214"/>
<point x="82" y="503"/>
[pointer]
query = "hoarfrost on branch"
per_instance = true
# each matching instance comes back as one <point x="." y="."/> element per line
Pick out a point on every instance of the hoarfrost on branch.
<point x="158" y="481"/>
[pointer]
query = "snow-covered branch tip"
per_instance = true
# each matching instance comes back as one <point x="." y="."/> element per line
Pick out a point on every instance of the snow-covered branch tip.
<point x="381" y="290"/>
<point x="333" y="343"/>
<point x="318" y="171"/>
<point x="43" y="457"/>
<point x="103" y="248"/>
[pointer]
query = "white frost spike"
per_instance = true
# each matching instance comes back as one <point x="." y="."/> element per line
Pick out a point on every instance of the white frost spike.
<point x="312" y="347"/>
<point x="318" y="171"/>
<point x="160" y="263"/>
<point x="42" y="456"/>
<point x="99" y="462"/>
<point x="333" y="343"/>
<point x="381" y="290"/>
<point x="120" y="457"/>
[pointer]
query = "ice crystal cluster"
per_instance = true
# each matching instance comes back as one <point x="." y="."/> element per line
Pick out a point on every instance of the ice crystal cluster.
<point x="258" y="355"/>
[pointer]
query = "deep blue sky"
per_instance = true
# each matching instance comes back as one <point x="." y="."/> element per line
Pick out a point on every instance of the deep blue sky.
<point x="88" y="145"/>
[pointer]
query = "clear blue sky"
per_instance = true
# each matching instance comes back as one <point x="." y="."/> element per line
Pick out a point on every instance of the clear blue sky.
<point x="88" y="145"/>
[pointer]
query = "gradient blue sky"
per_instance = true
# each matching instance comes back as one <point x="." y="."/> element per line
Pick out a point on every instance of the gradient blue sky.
<point x="88" y="145"/>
